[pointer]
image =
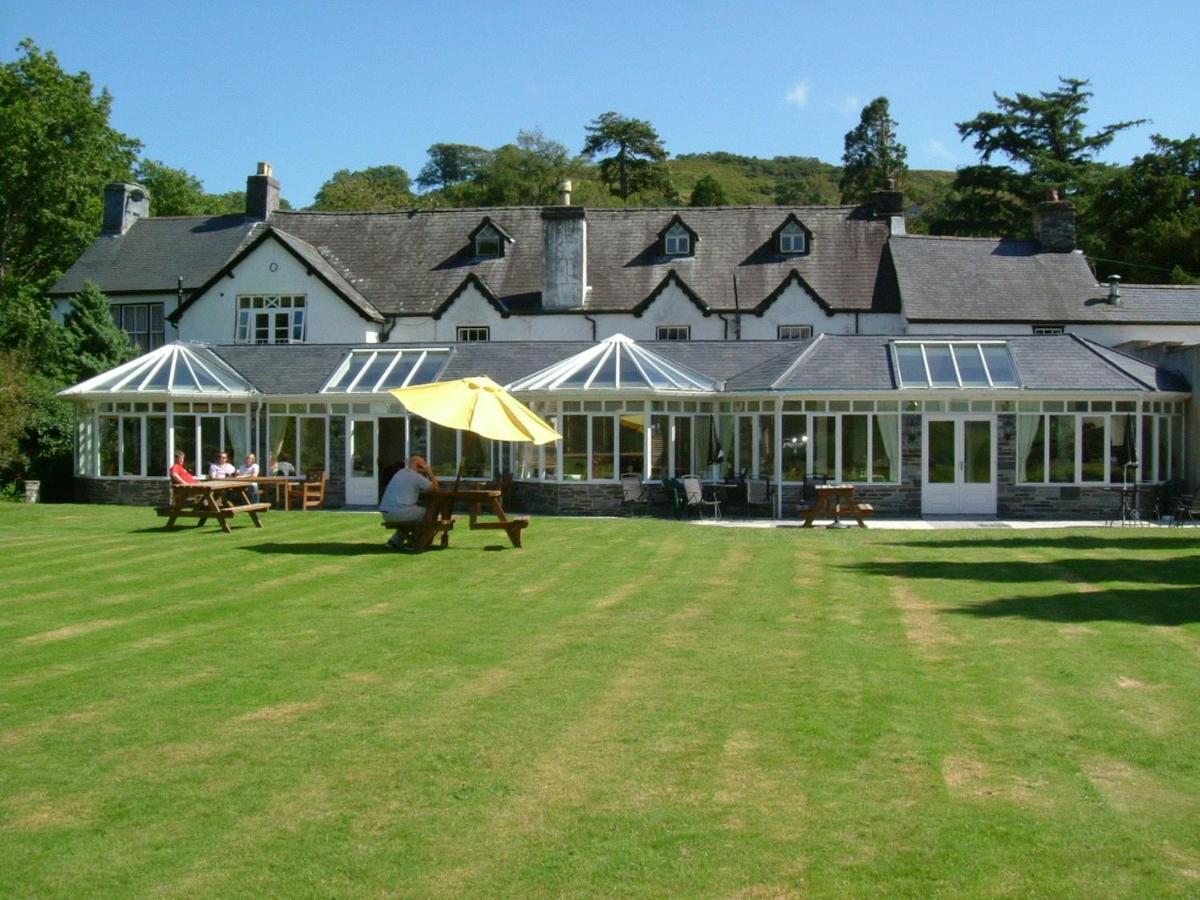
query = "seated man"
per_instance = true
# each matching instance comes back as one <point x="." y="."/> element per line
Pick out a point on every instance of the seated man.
<point x="399" y="503"/>
<point x="222" y="468"/>
<point x="249" y="469"/>
<point x="282" y="467"/>
<point x="179" y="473"/>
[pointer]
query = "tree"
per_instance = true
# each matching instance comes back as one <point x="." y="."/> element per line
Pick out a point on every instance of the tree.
<point x="1045" y="140"/>
<point x="452" y="164"/>
<point x="92" y="340"/>
<point x="173" y="192"/>
<point x="57" y="151"/>
<point x="374" y="188"/>
<point x="873" y="160"/>
<point x="638" y="163"/>
<point x="708" y="192"/>
<point x="1147" y="215"/>
<point x="527" y="173"/>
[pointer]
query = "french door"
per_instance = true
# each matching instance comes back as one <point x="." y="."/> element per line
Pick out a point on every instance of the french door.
<point x="362" y="477"/>
<point x="960" y="466"/>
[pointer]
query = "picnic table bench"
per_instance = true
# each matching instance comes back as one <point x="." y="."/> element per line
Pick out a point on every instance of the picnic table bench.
<point x="833" y="501"/>
<point x="220" y="500"/>
<point x="439" y="517"/>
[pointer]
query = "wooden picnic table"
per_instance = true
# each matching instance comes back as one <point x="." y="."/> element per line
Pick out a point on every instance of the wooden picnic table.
<point x="439" y="516"/>
<point x="832" y="501"/>
<point x="219" y="499"/>
<point x="280" y="483"/>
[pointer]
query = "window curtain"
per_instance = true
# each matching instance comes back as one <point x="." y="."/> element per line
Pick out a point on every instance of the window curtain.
<point x="888" y="429"/>
<point x="237" y="438"/>
<point x="1027" y="429"/>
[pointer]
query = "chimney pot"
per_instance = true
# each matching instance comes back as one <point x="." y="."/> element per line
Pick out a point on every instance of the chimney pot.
<point x="565" y="187"/>
<point x="1114" y="289"/>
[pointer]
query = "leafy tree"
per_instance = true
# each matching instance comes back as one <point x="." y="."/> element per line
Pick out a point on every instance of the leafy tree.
<point x="374" y="188"/>
<point x="1147" y="215"/>
<point x="527" y="173"/>
<point x="452" y="164"/>
<point x="173" y="192"/>
<point x="708" y="192"/>
<point x="57" y="151"/>
<point x="873" y="158"/>
<point x="638" y="162"/>
<point x="1045" y="140"/>
<point x="15" y="411"/>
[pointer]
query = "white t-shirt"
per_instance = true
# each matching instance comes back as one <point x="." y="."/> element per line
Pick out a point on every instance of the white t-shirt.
<point x="400" y="498"/>
<point x="221" y="470"/>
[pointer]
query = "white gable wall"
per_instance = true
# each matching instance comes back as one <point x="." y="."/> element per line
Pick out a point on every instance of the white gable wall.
<point x="671" y="307"/>
<point x="330" y="319"/>
<point x="472" y="308"/>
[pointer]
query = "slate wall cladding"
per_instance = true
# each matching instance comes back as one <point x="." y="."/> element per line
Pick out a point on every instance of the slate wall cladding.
<point x="123" y="492"/>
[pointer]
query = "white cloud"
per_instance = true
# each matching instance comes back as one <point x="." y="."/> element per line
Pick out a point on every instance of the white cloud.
<point x="851" y="106"/>
<point x="939" y="150"/>
<point x="799" y="94"/>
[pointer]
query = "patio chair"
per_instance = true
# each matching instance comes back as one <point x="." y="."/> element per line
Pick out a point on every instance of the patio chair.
<point x="1184" y="511"/>
<point x="1166" y="497"/>
<point x="759" y="495"/>
<point x="674" y="496"/>
<point x="633" y="493"/>
<point x="694" y="494"/>
<point x="310" y="493"/>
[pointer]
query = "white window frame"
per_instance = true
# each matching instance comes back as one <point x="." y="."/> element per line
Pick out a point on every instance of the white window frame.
<point x="255" y="308"/>
<point x="492" y="238"/>
<point x="155" y="337"/>
<point x="792" y="239"/>
<point x="1049" y="329"/>
<point x="677" y="241"/>
<point x="673" y="333"/>
<point x="473" y="333"/>
<point x="802" y="332"/>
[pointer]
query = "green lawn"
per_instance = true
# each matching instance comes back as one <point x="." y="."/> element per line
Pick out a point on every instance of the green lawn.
<point x="634" y="708"/>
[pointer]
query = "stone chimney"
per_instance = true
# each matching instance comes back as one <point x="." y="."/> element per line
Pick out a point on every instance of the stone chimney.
<point x="262" y="193"/>
<point x="888" y="202"/>
<point x="124" y="204"/>
<point x="564" y="257"/>
<point x="1054" y="225"/>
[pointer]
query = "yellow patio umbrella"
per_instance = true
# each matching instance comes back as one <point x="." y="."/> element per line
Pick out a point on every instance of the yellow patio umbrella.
<point x="478" y="405"/>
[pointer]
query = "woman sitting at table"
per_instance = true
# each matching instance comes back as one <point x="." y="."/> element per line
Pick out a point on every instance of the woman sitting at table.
<point x="399" y="503"/>
<point x="179" y="473"/>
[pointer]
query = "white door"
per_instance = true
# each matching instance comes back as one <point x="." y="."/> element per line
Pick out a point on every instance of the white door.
<point x="362" y="479"/>
<point x="960" y="466"/>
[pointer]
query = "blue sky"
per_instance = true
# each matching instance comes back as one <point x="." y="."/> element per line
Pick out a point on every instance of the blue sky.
<point x="213" y="87"/>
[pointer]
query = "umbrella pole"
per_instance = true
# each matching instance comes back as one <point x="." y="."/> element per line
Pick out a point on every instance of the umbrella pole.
<point x="462" y="459"/>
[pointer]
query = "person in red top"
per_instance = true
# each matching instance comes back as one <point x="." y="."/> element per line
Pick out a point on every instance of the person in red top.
<point x="179" y="472"/>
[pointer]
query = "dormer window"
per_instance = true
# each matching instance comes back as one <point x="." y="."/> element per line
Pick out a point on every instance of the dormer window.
<point x="488" y="239"/>
<point x="792" y="239"/>
<point x="677" y="241"/>
<point x="487" y="242"/>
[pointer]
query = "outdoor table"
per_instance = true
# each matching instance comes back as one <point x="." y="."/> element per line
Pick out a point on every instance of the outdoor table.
<point x="214" y="499"/>
<point x="832" y="500"/>
<point x="279" y="482"/>
<point x="481" y="502"/>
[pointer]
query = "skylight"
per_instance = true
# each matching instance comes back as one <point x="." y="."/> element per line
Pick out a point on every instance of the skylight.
<point x="616" y="363"/>
<point x="377" y="371"/>
<point x="175" y="369"/>
<point x="955" y="364"/>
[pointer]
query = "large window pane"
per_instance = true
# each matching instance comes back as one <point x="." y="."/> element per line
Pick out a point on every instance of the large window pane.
<point x="1164" y="449"/>
<point x="550" y="452"/>
<point x="660" y="439"/>
<point x="603" y="434"/>
<point x="795" y="447"/>
<point x="824" y="458"/>
<point x="443" y="450"/>
<point x="1147" y="457"/>
<point x="705" y="444"/>
<point x="766" y="446"/>
<point x="885" y="449"/>
<point x="1122" y="448"/>
<point x="977" y="452"/>
<point x="131" y="445"/>
<point x="727" y="426"/>
<point x="312" y="444"/>
<point x="109" y="446"/>
<point x="282" y="447"/>
<point x="477" y="456"/>
<point x="156" y="445"/>
<point x="633" y="449"/>
<point x="745" y="456"/>
<point x="184" y="437"/>
<point x="854" y="448"/>
<point x="1177" y="446"/>
<point x="1031" y="448"/>
<point x="1092" y="448"/>
<point x="683" y="446"/>
<point x="575" y="445"/>
<point x="1062" y="449"/>
<point x="362" y="448"/>
<point x="210" y="441"/>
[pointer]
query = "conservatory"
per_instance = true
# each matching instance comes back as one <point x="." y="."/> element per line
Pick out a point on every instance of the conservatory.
<point x="1038" y="425"/>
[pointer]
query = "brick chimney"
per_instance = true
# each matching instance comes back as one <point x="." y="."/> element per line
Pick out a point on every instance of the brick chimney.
<point x="262" y="193"/>
<point x="1054" y="225"/>
<point x="124" y="204"/>
<point x="564" y="261"/>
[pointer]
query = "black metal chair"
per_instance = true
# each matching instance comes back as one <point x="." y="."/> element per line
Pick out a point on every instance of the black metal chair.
<point x="1184" y="510"/>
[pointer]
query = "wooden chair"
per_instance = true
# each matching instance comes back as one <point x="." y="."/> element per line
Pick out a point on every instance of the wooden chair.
<point x="310" y="493"/>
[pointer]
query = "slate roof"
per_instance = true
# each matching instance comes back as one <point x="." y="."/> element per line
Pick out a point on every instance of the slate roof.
<point x="986" y="280"/>
<point x="154" y="253"/>
<point x="834" y="363"/>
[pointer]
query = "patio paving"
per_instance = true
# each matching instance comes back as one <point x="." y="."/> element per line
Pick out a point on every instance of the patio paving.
<point x="933" y="523"/>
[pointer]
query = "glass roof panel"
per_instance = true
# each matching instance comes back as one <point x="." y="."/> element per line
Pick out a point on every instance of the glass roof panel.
<point x="1000" y="365"/>
<point x="955" y="364"/>
<point x="374" y="371"/>
<point x="970" y="365"/>
<point x="941" y="366"/>
<point x="618" y="363"/>
<point x="430" y="368"/>
<point x="912" y="366"/>
<point x="606" y="371"/>
<point x="395" y="378"/>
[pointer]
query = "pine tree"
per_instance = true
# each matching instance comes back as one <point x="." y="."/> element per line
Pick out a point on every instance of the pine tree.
<point x="874" y="160"/>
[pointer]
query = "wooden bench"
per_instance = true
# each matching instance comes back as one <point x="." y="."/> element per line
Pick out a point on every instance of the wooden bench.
<point x="420" y="535"/>
<point x="513" y="526"/>
<point x="833" y="502"/>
